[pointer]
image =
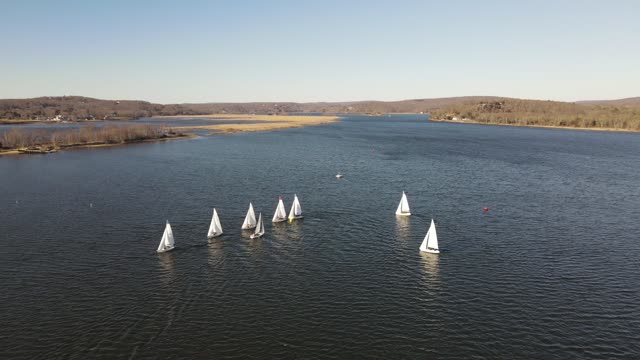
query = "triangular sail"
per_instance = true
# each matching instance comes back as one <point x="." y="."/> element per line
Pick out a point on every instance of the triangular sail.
<point x="260" y="227"/>
<point x="430" y="242"/>
<point x="296" y="209"/>
<point x="250" y="219"/>
<point x="217" y="222"/>
<point x="215" y="228"/>
<point x="403" y="207"/>
<point x="280" y="214"/>
<point x="166" y="243"/>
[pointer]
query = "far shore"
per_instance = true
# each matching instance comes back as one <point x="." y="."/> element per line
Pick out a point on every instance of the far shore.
<point x="268" y="122"/>
<point x="467" y="121"/>
<point x="23" y="151"/>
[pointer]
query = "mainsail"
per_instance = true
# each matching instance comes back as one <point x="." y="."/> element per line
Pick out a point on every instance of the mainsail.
<point x="403" y="207"/>
<point x="296" y="209"/>
<point x="430" y="242"/>
<point x="280" y="214"/>
<point x="250" y="219"/>
<point x="215" y="229"/>
<point x="166" y="243"/>
<point x="259" y="228"/>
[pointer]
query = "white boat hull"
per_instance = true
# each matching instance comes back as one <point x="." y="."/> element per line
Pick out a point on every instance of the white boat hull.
<point x="431" y="251"/>
<point x="214" y="235"/>
<point x="256" y="236"/>
<point x="165" y="250"/>
<point x="279" y="220"/>
<point x="296" y="217"/>
<point x="403" y="214"/>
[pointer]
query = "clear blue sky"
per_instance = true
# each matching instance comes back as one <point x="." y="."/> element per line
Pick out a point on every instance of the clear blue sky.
<point x="214" y="51"/>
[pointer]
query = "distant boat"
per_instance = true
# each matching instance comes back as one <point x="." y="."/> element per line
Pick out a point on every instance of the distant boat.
<point x="430" y="242"/>
<point x="250" y="220"/>
<point x="296" y="209"/>
<point x="259" y="229"/>
<point x="215" y="229"/>
<point x="280" y="214"/>
<point x="166" y="243"/>
<point x="403" y="207"/>
<point x="339" y="176"/>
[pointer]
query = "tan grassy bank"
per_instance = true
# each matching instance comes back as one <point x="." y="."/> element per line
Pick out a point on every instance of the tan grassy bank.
<point x="267" y="122"/>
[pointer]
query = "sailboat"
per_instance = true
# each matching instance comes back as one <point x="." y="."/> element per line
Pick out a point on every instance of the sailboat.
<point x="403" y="207"/>
<point x="296" y="209"/>
<point x="281" y="214"/>
<point x="167" y="243"/>
<point x="250" y="220"/>
<point x="215" y="229"/>
<point x="259" y="229"/>
<point x="430" y="242"/>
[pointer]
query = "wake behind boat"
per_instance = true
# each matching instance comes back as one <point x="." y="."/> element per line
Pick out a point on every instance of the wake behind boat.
<point x="215" y="229"/>
<point x="166" y="243"/>
<point x="430" y="242"/>
<point x="280" y="214"/>
<point x="296" y="209"/>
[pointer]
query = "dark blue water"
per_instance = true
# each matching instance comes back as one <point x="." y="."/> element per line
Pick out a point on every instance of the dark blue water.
<point x="551" y="271"/>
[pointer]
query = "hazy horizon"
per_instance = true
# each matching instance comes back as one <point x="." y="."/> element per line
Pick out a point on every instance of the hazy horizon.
<point x="285" y="51"/>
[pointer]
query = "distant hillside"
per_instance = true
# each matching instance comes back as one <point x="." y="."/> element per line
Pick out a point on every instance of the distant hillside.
<point x="80" y="108"/>
<point x="357" y="107"/>
<point x="634" y="101"/>
<point x="542" y="113"/>
<point x="616" y="114"/>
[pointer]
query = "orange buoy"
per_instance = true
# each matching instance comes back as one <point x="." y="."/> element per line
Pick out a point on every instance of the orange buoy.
<point x="486" y="209"/>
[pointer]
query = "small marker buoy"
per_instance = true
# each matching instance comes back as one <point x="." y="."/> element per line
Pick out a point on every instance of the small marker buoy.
<point x="486" y="209"/>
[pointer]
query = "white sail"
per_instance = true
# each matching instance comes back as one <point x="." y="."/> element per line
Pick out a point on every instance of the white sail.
<point x="259" y="228"/>
<point x="403" y="207"/>
<point x="296" y="209"/>
<point x="430" y="242"/>
<point x="280" y="214"/>
<point x="166" y="243"/>
<point x="215" y="229"/>
<point x="250" y="219"/>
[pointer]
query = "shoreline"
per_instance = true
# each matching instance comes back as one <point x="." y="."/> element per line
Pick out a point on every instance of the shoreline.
<point x="21" y="151"/>
<point x="537" y="126"/>
<point x="264" y="123"/>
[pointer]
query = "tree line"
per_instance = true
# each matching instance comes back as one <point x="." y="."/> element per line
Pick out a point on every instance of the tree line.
<point x="17" y="138"/>
<point x="542" y="113"/>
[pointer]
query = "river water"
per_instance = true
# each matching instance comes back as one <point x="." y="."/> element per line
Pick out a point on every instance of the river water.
<point x="552" y="270"/>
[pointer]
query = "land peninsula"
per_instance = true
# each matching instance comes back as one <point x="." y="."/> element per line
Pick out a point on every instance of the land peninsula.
<point x="254" y="122"/>
<point x="39" y="141"/>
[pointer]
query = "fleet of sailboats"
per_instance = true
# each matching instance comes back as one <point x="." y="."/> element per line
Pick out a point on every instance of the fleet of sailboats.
<point x="167" y="243"/>
<point x="280" y="214"/>
<point x="215" y="229"/>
